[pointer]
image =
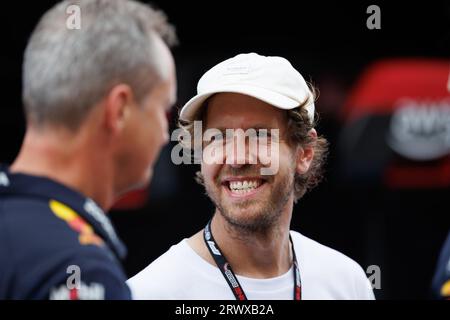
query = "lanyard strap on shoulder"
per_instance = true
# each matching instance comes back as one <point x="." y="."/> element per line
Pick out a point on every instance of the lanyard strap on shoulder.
<point x="228" y="273"/>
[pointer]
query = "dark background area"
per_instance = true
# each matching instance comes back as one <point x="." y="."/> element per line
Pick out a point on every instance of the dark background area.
<point x="329" y="43"/>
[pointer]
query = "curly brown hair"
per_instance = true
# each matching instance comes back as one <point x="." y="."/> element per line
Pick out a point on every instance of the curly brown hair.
<point x="298" y="128"/>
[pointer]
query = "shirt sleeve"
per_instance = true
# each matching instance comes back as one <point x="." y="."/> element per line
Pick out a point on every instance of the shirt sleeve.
<point x="365" y="290"/>
<point x="362" y="285"/>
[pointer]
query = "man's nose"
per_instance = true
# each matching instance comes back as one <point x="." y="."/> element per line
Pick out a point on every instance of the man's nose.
<point x="237" y="162"/>
<point x="239" y="152"/>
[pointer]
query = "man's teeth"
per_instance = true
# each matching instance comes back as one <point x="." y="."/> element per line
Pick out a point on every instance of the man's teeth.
<point x="244" y="186"/>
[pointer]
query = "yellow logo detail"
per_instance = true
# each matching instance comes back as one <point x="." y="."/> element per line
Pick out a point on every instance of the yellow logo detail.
<point x="445" y="290"/>
<point x="87" y="235"/>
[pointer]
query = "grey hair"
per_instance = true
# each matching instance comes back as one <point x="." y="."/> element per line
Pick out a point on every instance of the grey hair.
<point x="67" y="71"/>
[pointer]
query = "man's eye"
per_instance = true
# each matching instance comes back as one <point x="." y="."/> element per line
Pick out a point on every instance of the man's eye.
<point x="217" y="137"/>
<point x="263" y="134"/>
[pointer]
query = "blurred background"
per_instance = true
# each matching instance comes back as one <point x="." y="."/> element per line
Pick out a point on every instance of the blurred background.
<point x="384" y="106"/>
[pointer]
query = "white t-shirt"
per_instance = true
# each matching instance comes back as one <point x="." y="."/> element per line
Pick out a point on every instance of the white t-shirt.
<point x="181" y="274"/>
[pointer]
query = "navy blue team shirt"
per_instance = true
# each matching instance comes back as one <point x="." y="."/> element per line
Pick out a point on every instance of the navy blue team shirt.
<point x="56" y="243"/>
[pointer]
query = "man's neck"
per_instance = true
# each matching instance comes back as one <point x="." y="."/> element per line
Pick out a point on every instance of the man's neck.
<point x="261" y="255"/>
<point x="61" y="157"/>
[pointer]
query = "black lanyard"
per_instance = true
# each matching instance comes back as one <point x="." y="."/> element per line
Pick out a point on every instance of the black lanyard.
<point x="228" y="273"/>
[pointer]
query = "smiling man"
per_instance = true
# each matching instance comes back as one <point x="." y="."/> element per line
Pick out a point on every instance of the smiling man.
<point x="247" y="250"/>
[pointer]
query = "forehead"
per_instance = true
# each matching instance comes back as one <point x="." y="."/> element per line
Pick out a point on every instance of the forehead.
<point x="234" y="110"/>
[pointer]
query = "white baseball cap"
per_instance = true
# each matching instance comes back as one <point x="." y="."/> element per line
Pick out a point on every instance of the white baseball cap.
<point x="270" y="79"/>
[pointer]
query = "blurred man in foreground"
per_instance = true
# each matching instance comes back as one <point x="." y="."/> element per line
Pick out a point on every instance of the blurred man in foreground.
<point x="95" y="100"/>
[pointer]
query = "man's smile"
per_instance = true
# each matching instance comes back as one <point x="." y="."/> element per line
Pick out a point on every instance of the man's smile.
<point x="243" y="187"/>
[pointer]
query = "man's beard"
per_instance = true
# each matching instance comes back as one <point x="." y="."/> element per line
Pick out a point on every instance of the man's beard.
<point x="269" y="210"/>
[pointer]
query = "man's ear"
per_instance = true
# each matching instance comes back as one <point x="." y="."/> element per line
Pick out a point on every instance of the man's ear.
<point x="117" y="107"/>
<point x="305" y="154"/>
